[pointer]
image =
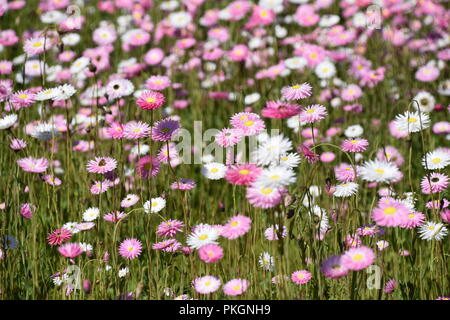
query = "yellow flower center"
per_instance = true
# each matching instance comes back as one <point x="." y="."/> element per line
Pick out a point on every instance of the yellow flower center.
<point x="150" y="100"/>
<point x="37" y="44"/>
<point x="358" y="257"/>
<point x="389" y="211"/>
<point x="214" y="170"/>
<point x="244" y="171"/>
<point x="436" y="160"/>
<point x="310" y="111"/>
<point x="249" y="123"/>
<point x="236" y="288"/>
<point x="412" y="120"/>
<point x="296" y="86"/>
<point x="266" y="191"/>
<point x="234" y="223"/>
<point x="203" y="237"/>
<point x="380" y="171"/>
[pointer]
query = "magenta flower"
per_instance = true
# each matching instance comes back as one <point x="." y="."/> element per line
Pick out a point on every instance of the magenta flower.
<point x="169" y="228"/>
<point x="147" y="167"/>
<point x="358" y="258"/>
<point x="210" y="253"/>
<point x="101" y="165"/>
<point x="150" y="100"/>
<point x="236" y="227"/>
<point x="58" y="236"/>
<point x="33" y="165"/>
<point x="130" y="248"/>
<point x="70" y="250"/>
<point x="301" y="276"/>
<point x="296" y="92"/>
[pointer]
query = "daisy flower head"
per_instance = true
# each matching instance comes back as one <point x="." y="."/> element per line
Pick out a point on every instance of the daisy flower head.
<point x="206" y="284"/>
<point x="346" y="189"/>
<point x="432" y="231"/>
<point x="136" y="130"/>
<point x="210" y="253"/>
<point x="301" y="276"/>
<point x="157" y="82"/>
<point x="101" y="165"/>
<point x="99" y="187"/>
<point x="47" y="94"/>
<point x="344" y="173"/>
<point x="8" y="121"/>
<point x="236" y="287"/>
<point x="203" y="235"/>
<point x="51" y="180"/>
<point x="118" y="88"/>
<point x="243" y="174"/>
<point x="358" y="258"/>
<point x="22" y="99"/>
<point x="354" y="145"/>
<point x="390" y="286"/>
<point x="229" y="137"/>
<point x="248" y="123"/>
<point x="265" y="197"/>
<point x="424" y="102"/>
<point x="266" y="261"/>
<point x="236" y="227"/>
<point x="271" y="149"/>
<point x="354" y="131"/>
<point x="154" y="205"/>
<point x="70" y="250"/>
<point x="36" y="46"/>
<point x="378" y="171"/>
<point x="44" y="131"/>
<point x="214" y="170"/>
<point x="33" y="165"/>
<point x="129" y="200"/>
<point x="130" y="248"/>
<point x="275" y="177"/>
<point x="435" y="160"/>
<point x="413" y="220"/>
<point x="297" y="91"/>
<point x="169" y="228"/>
<point x="165" y="130"/>
<point x="85" y="226"/>
<point x="64" y="92"/>
<point x="58" y="236"/>
<point x="391" y="214"/>
<point x="274" y="232"/>
<point x="333" y="267"/>
<point x="91" y="214"/>
<point x="412" y="121"/>
<point x="148" y="167"/>
<point x="313" y="113"/>
<point x="183" y="184"/>
<point x="434" y="183"/>
<point x="115" y="216"/>
<point x="280" y="110"/>
<point x="289" y="160"/>
<point x="150" y="100"/>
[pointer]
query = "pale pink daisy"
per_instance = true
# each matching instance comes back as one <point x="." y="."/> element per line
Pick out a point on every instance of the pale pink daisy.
<point x="237" y="226"/>
<point x="243" y="174"/>
<point x="70" y="250"/>
<point x="157" y="82"/>
<point x="358" y="258"/>
<point x="436" y="182"/>
<point x="313" y="113"/>
<point x="264" y="197"/>
<point x="150" y="100"/>
<point x="413" y="220"/>
<point x="229" y="137"/>
<point x="129" y="200"/>
<point x="114" y="216"/>
<point x="391" y="214"/>
<point x="354" y="145"/>
<point x="169" y="228"/>
<point x="100" y="186"/>
<point x="101" y="165"/>
<point x="301" y="276"/>
<point x="249" y="123"/>
<point x="33" y="165"/>
<point x="333" y="267"/>
<point x="136" y="130"/>
<point x="236" y="287"/>
<point x="206" y="284"/>
<point x="297" y="91"/>
<point x="210" y="253"/>
<point x="130" y="248"/>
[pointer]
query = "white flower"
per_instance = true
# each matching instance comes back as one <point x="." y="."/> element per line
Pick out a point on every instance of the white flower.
<point x="179" y="19"/>
<point x="378" y="171"/>
<point x="79" y="65"/>
<point x="359" y="19"/>
<point x="346" y="189"/>
<point x="72" y="227"/>
<point x="425" y="100"/>
<point x="432" y="231"/>
<point x="86" y="246"/>
<point x="65" y="92"/>
<point x="354" y="131"/>
<point x="437" y="159"/>
<point x="214" y="170"/>
<point x="91" y="214"/>
<point x="323" y="218"/>
<point x="271" y="150"/>
<point x="169" y="5"/>
<point x="382" y="244"/>
<point x="8" y="121"/>
<point x="154" y="205"/>
<point x="266" y="261"/>
<point x="274" y="178"/>
<point x="252" y="98"/>
<point x="290" y="160"/>
<point x="328" y="20"/>
<point x="71" y="39"/>
<point x="280" y="32"/>
<point x="294" y="123"/>
<point x="123" y="272"/>
<point x="47" y="94"/>
<point x="44" y="131"/>
<point x="412" y="121"/>
<point x="296" y="63"/>
<point x="203" y="235"/>
<point x="274" y="5"/>
<point x="53" y="16"/>
<point x="57" y="281"/>
<point x="444" y="88"/>
<point x="141" y="149"/>
<point x="325" y="70"/>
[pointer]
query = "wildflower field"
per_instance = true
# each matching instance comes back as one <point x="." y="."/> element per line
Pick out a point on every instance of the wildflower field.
<point x="197" y="149"/>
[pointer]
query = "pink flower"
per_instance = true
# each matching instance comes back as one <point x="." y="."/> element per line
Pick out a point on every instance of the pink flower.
<point x="436" y="182"/>
<point x="235" y="287"/>
<point x="249" y="123"/>
<point x="148" y="167"/>
<point x="157" y="82"/>
<point x="58" y="236"/>
<point x="210" y="253"/>
<point x="27" y="210"/>
<point x="427" y="73"/>
<point x="272" y="232"/>
<point x="264" y="197"/>
<point x="52" y="180"/>
<point x="229" y="137"/>
<point x="206" y="284"/>
<point x="350" y="93"/>
<point x="100" y="186"/>
<point x="130" y="248"/>
<point x="129" y="200"/>
<point x="154" y="56"/>
<point x="297" y="91"/>
<point x="70" y="250"/>
<point x="243" y="174"/>
<point x="169" y="228"/>
<point x="17" y="144"/>
<point x="238" y="53"/>
<point x="150" y="100"/>
<point x="136" y="130"/>
<point x="355" y="145"/>
<point x="114" y="216"/>
<point x="413" y="220"/>
<point x="333" y="267"/>
<point x="183" y="184"/>
<point x="327" y="157"/>
<point x="280" y="110"/>
<point x="445" y="215"/>
<point x="165" y="129"/>
<point x="358" y="258"/>
<point x="313" y="113"/>
<point x="305" y="16"/>
<point x="390" y="213"/>
<point x="33" y="165"/>
<point x="301" y="276"/>
<point x="237" y="226"/>
<point x="101" y="165"/>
